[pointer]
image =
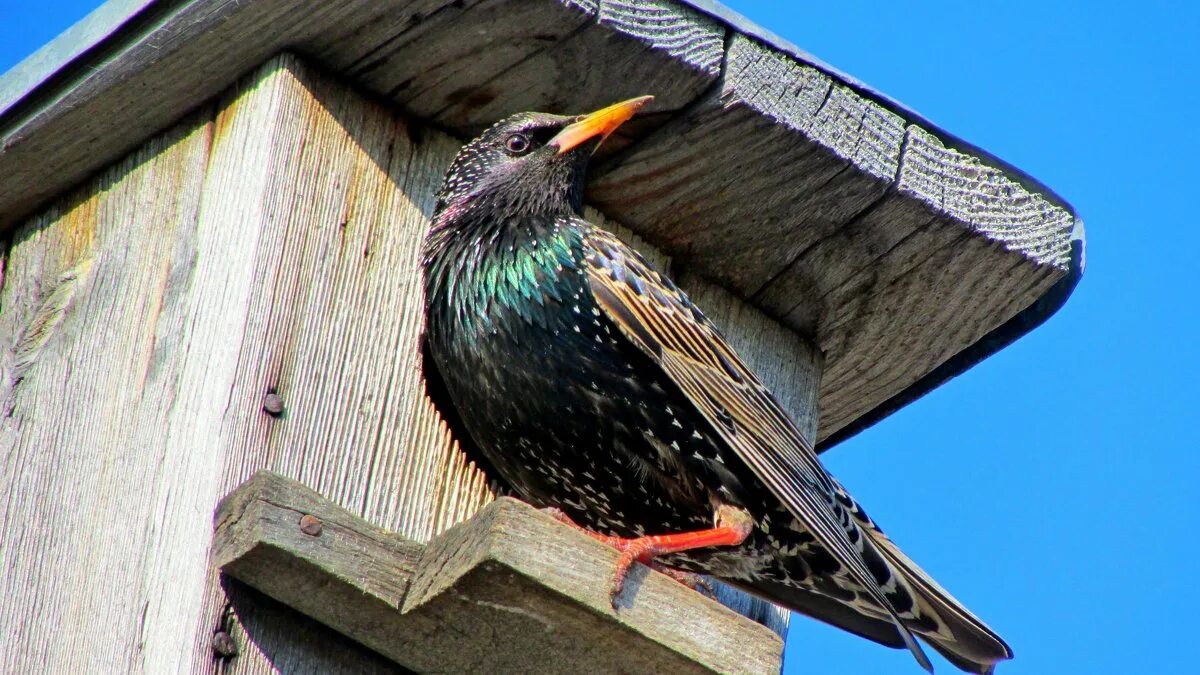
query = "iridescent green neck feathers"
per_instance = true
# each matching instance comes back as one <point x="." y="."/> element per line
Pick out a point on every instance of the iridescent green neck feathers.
<point x="475" y="275"/>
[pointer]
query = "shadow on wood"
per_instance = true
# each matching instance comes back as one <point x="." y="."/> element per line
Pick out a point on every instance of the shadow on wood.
<point x="510" y="590"/>
<point x="292" y="643"/>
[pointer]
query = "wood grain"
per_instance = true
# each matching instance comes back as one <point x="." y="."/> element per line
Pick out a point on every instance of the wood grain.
<point x="350" y="574"/>
<point x="559" y="56"/>
<point x="146" y="77"/>
<point x="330" y="314"/>
<point x="891" y="251"/>
<point x="890" y="335"/>
<point x="462" y="64"/>
<point x="510" y="590"/>
<point x="740" y="185"/>
<point x="990" y="203"/>
<point x="88" y="322"/>
<point x="270" y="246"/>
<point x="772" y="176"/>
<point x="437" y="72"/>
<point x="265" y="245"/>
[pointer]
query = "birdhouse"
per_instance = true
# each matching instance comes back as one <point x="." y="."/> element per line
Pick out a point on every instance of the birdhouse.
<point x="220" y="448"/>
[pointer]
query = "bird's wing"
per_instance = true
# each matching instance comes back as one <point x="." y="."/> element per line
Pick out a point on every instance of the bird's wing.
<point x="659" y="318"/>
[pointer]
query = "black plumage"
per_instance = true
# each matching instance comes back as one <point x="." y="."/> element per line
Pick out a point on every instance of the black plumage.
<point x="592" y="384"/>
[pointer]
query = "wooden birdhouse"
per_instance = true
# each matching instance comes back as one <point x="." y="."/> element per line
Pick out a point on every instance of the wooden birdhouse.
<point x="211" y="215"/>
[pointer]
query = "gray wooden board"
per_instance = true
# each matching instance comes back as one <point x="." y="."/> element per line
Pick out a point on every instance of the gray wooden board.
<point x="137" y="83"/>
<point x="266" y="244"/>
<point x="92" y="305"/>
<point x="832" y="215"/>
<point x="752" y="175"/>
<point x="39" y="67"/>
<point x="510" y="590"/>
<point x="461" y="64"/>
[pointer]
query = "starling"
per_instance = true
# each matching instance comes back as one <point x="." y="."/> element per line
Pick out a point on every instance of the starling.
<point x="593" y="385"/>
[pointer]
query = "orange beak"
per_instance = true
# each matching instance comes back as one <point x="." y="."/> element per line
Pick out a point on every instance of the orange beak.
<point x="600" y="123"/>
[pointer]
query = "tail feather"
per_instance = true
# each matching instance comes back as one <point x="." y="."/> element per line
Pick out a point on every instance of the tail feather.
<point x="962" y="638"/>
<point x="825" y="609"/>
<point x="942" y="622"/>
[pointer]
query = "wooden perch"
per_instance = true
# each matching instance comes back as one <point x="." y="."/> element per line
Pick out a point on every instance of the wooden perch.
<point x="510" y="590"/>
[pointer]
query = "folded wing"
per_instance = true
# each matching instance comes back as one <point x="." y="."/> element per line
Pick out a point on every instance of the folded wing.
<point x="658" y="318"/>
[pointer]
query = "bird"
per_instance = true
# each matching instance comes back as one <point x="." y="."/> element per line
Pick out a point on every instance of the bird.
<point x="594" y="387"/>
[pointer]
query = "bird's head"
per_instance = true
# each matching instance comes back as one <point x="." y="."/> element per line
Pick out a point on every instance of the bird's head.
<point x="529" y="163"/>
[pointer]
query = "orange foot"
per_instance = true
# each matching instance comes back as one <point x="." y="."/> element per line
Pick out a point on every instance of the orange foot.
<point x="733" y="526"/>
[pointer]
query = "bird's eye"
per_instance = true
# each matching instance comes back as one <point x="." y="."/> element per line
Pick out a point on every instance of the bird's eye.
<point x="517" y="144"/>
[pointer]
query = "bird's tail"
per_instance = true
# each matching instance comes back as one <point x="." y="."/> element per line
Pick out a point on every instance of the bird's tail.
<point x="936" y="617"/>
<point x="960" y="636"/>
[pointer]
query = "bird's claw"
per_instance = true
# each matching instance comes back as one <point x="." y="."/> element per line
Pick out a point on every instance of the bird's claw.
<point x="640" y="549"/>
<point x="697" y="582"/>
<point x="632" y="550"/>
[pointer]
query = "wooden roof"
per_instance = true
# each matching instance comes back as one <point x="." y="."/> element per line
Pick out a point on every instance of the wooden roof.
<point x="903" y="252"/>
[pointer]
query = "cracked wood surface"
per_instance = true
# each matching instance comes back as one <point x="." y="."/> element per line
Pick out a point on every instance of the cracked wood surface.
<point x="508" y="591"/>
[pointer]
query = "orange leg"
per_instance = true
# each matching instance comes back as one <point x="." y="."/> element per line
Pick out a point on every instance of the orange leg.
<point x="733" y="526"/>
<point x="561" y="516"/>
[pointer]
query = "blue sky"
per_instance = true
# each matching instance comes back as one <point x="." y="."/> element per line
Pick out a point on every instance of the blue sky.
<point x="1052" y="487"/>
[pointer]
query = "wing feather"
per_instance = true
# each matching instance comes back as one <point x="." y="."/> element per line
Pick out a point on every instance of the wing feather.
<point x="668" y="328"/>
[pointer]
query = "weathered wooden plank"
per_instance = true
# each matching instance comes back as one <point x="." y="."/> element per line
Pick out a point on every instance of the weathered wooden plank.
<point x="561" y="55"/>
<point x="283" y="539"/>
<point x="510" y="590"/>
<point x="963" y="274"/>
<point x="145" y="78"/>
<point x="339" y="191"/>
<point x="634" y="48"/>
<point x="266" y="246"/>
<point x="445" y="60"/>
<point x="934" y="183"/>
<point x="567" y="572"/>
<point x="953" y="250"/>
<point x="688" y="36"/>
<point x="742" y="183"/>
<point x="982" y="197"/>
<point x="831" y="215"/>
<point x="272" y="246"/>
<point x="464" y="64"/>
<point x="86" y="330"/>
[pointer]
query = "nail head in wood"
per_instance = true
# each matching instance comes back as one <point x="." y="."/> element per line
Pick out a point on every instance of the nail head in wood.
<point x="273" y="404"/>
<point x="310" y="525"/>
<point x="223" y="645"/>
